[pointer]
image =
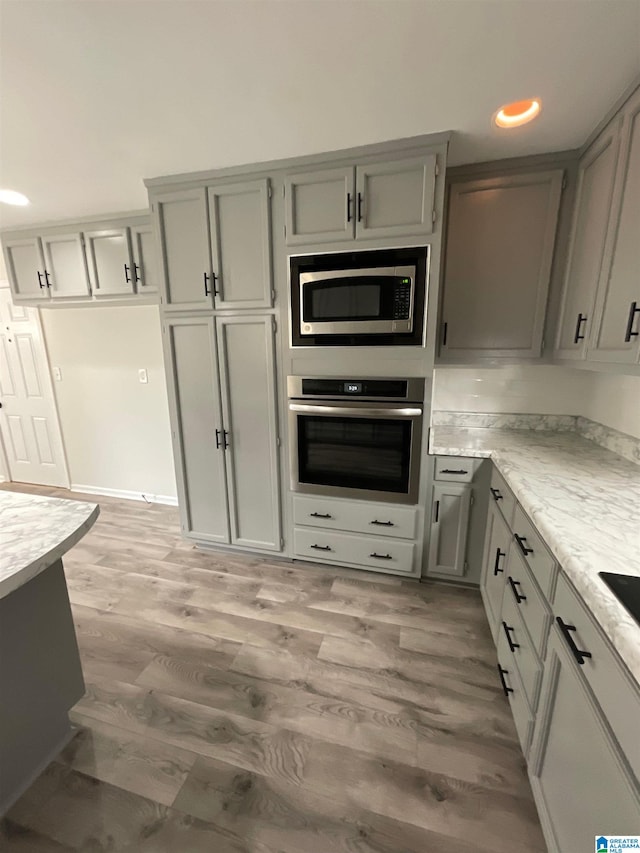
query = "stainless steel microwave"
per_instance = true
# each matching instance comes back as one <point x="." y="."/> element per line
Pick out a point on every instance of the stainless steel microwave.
<point x="359" y="298"/>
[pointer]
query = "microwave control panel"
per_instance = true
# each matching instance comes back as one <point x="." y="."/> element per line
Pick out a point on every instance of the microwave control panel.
<point x="402" y="299"/>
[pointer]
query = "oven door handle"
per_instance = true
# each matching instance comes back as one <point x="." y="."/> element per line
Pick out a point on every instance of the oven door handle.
<point x="355" y="412"/>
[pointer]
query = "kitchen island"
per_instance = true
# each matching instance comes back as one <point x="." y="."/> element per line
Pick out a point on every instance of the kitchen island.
<point x="40" y="672"/>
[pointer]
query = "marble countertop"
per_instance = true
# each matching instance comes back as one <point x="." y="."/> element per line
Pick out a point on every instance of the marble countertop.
<point x="36" y="531"/>
<point x="585" y="502"/>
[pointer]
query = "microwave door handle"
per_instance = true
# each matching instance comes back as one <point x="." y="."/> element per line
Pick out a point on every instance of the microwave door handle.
<point x="356" y="412"/>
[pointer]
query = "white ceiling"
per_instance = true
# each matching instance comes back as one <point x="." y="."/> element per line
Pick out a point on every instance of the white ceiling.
<point x="98" y="94"/>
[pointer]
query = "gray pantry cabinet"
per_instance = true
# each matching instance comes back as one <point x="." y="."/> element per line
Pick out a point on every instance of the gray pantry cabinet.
<point x="222" y="395"/>
<point x="215" y="247"/>
<point x="500" y="240"/>
<point x="393" y="198"/>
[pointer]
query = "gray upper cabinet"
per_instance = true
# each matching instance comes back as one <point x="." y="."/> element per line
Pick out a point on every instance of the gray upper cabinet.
<point x="499" y="249"/>
<point x="320" y="206"/>
<point x="240" y="231"/>
<point x="395" y="198"/>
<point x="197" y="430"/>
<point x="25" y="268"/>
<point x="449" y="526"/>
<point x="109" y="259"/>
<point x="586" y="250"/>
<point x="145" y="268"/>
<point x="247" y="372"/>
<point x="616" y="330"/>
<point x="66" y="268"/>
<point x="182" y="231"/>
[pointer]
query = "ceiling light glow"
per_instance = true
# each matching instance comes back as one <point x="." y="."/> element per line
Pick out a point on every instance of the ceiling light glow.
<point x="13" y="197"/>
<point x="518" y="113"/>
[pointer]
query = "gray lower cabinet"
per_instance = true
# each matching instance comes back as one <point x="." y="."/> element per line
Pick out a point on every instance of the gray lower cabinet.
<point x="499" y="249"/>
<point x="65" y="263"/>
<point x="496" y="551"/>
<point x="580" y="779"/>
<point x="25" y="268"/>
<point x="110" y="265"/>
<point x="221" y="382"/>
<point x="449" y="526"/>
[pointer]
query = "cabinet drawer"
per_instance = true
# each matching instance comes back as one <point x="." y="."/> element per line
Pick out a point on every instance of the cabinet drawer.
<point x="534" y="610"/>
<point x="370" y="551"/>
<point x="605" y="674"/>
<point x="534" y="551"/>
<point x="455" y="468"/>
<point x="355" y="516"/>
<point x="502" y="495"/>
<point x="522" y="650"/>
<point x="508" y="672"/>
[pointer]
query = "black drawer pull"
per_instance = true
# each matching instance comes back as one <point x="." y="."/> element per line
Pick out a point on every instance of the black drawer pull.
<point x="381" y="556"/>
<point x="518" y="595"/>
<point x="207" y="292"/>
<point x="320" y="515"/>
<point x="507" y="632"/>
<point x="582" y="318"/>
<point x="521" y="540"/>
<point x="40" y="277"/>
<point x="502" y="672"/>
<point x="218" y="443"/>
<point x="349" y="202"/>
<point x="633" y="310"/>
<point x="360" y="200"/>
<point x="136" y="270"/>
<point x="382" y="523"/>
<point x="46" y="278"/>
<point x="226" y="439"/>
<point x="578" y="654"/>
<point x="127" y="273"/>
<point x="321" y="547"/>
<point x="496" y="565"/>
<point x="453" y="471"/>
<point x="496" y="494"/>
<point x="436" y="512"/>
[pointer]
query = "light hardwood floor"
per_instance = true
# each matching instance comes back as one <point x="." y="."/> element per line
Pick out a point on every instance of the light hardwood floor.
<point x="236" y="704"/>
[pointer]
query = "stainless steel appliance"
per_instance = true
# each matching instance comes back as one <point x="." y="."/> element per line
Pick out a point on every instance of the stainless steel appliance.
<point x="356" y="438"/>
<point x="368" y="298"/>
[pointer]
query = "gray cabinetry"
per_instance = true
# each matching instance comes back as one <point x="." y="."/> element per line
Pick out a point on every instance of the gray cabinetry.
<point x="393" y="198"/>
<point x="145" y="269"/>
<point x="589" y="229"/>
<point x="66" y="268"/>
<point x="25" y="268"/>
<point x="497" y="543"/>
<point x="499" y="249"/>
<point x="616" y="330"/>
<point x="109" y="258"/>
<point x="449" y="526"/>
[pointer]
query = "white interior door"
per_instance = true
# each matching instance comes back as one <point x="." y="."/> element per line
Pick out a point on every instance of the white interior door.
<point x="28" y="417"/>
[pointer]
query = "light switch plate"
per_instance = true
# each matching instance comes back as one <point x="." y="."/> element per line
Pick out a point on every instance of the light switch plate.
<point x="143" y="376"/>
<point x="57" y="374"/>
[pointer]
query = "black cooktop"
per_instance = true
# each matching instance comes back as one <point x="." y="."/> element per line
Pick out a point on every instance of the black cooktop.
<point x="626" y="588"/>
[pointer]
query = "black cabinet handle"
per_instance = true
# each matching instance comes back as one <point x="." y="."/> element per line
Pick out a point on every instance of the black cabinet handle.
<point x="320" y="515"/>
<point x="381" y="556"/>
<point x="127" y="273"/>
<point x="360" y="200"/>
<point x="225" y="435"/>
<point x="349" y="203"/>
<point x="40" y="277"/>
<point x="502" y="672"/>
<point x="437" y="512"/>
<point x="207" y="278"/>
<point x="578" y="654"/>
<point x="507" y="631"/>
<point x="445" y="327"/>
<point x="321" y="547"/>
<point x="453" y="471"/>
<point x="382" y="523"/>
<point x="633" y="310"/>
<point x="496" y="494"/>
<point x="521" y="542"/>
<point x="46" y="278"/>
<point x="514" y="588"/>
<point x="215" y="278"/>
<point x="136" y="270"/>
<point x="496" y="565"/>
<point x="582" y="318"/>
<point x="218" y="434"/>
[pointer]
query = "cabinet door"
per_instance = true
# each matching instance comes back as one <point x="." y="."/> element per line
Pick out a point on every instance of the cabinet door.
<point x="320" y="206"/>
<point x="182" y="231"/>
<point x="66" y="266"/>
<point x="247" y="372"/>
<point x="449" y="524"/>
<point x="241" y="245"/>
<point x="574" y="752"/>
<point x="145" y="268"/>
<point x="110" y="265"/>
<point x="395" y="199"/>
<point x="589" y="228"/>
<point x="196" y="426"/>
<point x="25" y="268"/>
<point x="500" y="239"/>
<point x="617" y="328"/>
<point x="496" y="551"/>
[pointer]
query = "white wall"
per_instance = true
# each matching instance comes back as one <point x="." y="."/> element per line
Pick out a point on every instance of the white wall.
<point x="532" y="389"/>
<point x="614" y="401"/>
<point x="115" y="429"/>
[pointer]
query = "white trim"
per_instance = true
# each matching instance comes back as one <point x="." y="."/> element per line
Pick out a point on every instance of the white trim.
<point x="170" y="500"/>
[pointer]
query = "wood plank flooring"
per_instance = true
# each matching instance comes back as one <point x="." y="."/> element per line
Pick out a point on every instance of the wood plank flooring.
<point x="237" y="704"/>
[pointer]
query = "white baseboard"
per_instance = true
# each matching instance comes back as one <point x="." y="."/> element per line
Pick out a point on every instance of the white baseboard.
<point x="169" y="500"/>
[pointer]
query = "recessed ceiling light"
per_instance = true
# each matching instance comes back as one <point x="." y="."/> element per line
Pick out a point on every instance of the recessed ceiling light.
<point x="518" y="113"/>
<point x="12" y="197"/>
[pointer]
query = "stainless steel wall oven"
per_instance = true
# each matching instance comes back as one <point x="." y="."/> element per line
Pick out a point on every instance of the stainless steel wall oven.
<point x="356" y="438"/>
